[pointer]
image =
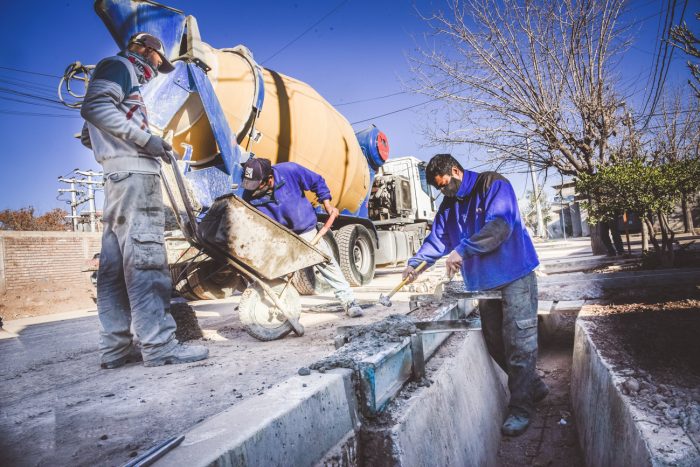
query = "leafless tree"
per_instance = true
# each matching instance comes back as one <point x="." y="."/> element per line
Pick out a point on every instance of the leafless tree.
<point x="684" y="39"/>
<point x="675" y="136"/>
<point x="512" y="70"/>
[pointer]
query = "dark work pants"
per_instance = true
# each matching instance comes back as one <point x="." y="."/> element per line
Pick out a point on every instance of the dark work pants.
<point x="509" y="327"/>
<point x="608" y="228"/>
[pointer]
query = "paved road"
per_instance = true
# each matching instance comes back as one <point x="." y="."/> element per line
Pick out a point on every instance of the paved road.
<point x="58" y="408"/>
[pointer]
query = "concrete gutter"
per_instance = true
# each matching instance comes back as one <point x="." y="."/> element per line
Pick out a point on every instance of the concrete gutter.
<point x="611" y="430"/>
<point x="455" y="421"/>
<point x="314" y="420"/>
<point x="295" y="423"/>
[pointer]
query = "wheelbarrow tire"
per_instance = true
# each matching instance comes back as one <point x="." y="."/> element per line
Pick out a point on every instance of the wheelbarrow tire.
<point x="259" y="316"/>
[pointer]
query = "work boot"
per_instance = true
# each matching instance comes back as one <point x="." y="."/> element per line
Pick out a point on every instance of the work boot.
<point x="353" y="309"/>
<point x="517" y="422"/>
<point x="133" y="356"/>
<point x="539" y="391"/>
<point x="180" y="354"/>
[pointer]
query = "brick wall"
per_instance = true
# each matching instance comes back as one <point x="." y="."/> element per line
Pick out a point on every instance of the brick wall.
<point x="30" y="257"/>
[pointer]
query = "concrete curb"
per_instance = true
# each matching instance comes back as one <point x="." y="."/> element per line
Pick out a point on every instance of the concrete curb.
<point x="455" y="421"/>
<point x="288" y="425"/>
<point x="319" y="425"/>
<point x="611" y="430"/>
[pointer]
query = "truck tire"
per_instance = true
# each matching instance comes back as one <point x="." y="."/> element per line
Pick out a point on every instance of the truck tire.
<point x="309" y="282"/>
<point x="356" y="249"/>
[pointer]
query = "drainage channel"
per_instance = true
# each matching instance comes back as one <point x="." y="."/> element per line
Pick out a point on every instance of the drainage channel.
<point x="382" y="375"/>
<point x="394" y="392"/>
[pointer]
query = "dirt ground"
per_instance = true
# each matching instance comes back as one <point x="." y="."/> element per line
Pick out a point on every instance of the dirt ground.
<point x="551" y="439"/>
<point x="655" y="350"/>
<point x="57" y="407"/>
<point x="45" y="297"/>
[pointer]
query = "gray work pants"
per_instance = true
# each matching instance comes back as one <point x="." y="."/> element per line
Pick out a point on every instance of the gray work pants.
<point x="509" y="327"/>
<point x="331" y="271"/>
<point x="133" y="281"/>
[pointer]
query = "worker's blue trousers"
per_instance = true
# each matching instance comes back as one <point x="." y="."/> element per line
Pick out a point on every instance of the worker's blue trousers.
<point x="509" y="327"/>
<point x="331" y="271"/>
<point x="133" y="281"/>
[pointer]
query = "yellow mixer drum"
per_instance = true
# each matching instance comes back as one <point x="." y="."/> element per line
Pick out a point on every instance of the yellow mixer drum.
<point x="296" y="125"/>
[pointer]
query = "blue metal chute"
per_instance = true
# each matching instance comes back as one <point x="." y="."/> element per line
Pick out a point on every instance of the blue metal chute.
<point x="166" y="94"/>
<point x="124" y="18"/>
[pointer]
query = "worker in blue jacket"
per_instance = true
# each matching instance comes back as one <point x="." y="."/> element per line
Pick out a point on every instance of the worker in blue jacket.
<point x="478" y="227"/>
<point x="278" y="192"/>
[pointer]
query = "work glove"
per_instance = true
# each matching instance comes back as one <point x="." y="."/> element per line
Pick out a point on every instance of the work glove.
<point x="158" y="147"/>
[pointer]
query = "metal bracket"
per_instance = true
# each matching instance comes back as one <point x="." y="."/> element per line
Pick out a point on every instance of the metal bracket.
<point x="417" y="357"/>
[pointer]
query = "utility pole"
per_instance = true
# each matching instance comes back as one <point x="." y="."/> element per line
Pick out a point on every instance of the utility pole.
<point x="541" y="230"/>
<point x="75" y="202"/>
<point x="91" y="196"/>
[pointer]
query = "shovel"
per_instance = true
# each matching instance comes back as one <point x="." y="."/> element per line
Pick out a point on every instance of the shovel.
<point x="386" y="299"/>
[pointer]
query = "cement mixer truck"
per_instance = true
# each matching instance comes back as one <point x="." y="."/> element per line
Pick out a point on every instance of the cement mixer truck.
<point x="220" y="107"/>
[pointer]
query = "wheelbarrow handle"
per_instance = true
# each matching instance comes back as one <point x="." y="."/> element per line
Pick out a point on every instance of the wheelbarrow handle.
<point x="325" y="228"/>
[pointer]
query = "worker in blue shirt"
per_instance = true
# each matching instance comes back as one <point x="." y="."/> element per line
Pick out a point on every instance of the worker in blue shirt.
<point x="478" y="227"/>
<point x="278" y="192"/>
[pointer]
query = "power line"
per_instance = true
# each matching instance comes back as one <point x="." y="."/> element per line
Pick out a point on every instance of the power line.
<point x="41" y="104"/>
<point x="29" y="72"/>
<point x="35" y="114"/>
<point x="29" y="84"/>
<point x="305" y="31"/>
<point x="31" y="96"/>
<point x="369" y="99"/>
<point x="397" y="111"/>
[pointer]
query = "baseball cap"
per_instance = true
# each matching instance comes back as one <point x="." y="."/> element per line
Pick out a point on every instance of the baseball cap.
<point x="255" y="170"/>
<point x="150" y="41"/>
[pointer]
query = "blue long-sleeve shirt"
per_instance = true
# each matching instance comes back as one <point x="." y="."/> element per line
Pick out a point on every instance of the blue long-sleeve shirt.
<point x="482" y="223"/>
<point x="287" y="203"/>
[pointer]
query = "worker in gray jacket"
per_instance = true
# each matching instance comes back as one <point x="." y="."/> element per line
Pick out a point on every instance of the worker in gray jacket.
<point x="133" y="281"/>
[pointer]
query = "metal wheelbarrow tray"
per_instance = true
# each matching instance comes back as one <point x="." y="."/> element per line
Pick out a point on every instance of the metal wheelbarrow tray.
<point x="259" y="248"/>
<point x="255" y="240"/>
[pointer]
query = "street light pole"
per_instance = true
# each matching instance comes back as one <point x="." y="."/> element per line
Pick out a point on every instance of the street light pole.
<point x="541" y="231"/>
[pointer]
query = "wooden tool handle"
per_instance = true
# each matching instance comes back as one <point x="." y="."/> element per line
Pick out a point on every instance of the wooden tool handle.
<point x="418" y="269"/>
<point x="324" y="229"/>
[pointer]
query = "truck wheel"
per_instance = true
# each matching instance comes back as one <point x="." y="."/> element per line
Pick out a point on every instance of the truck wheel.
<point x="259" y="316"/>
<point x="356" y="250"/>
<point x="309" y="282"/>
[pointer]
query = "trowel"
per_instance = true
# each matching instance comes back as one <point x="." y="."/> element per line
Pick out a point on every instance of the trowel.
<point x="440" y="288"/>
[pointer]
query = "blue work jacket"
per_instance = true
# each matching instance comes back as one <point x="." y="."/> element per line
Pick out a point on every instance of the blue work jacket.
<point x="286" y="203"/>
<point x="481" y="198"/>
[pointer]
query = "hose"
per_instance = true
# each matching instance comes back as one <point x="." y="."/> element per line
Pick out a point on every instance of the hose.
<point x="79" y="72"/>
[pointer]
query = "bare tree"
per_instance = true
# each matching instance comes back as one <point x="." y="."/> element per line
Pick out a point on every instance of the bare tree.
<point x="675" y="137"/>
<point x="684" y="39"/>
<point x="25" y="219"/>
<point x="509" y="71"/>
<point x="513" y="69"/>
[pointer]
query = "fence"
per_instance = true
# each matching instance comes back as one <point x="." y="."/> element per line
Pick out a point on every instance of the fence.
<point x="28" y="258"/>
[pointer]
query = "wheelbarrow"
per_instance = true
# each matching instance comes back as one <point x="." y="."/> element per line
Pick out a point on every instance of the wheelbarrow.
<point x="261" y="250"/>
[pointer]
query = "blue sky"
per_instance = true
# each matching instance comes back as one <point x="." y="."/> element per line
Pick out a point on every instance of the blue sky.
<point x="358" y="52"/>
